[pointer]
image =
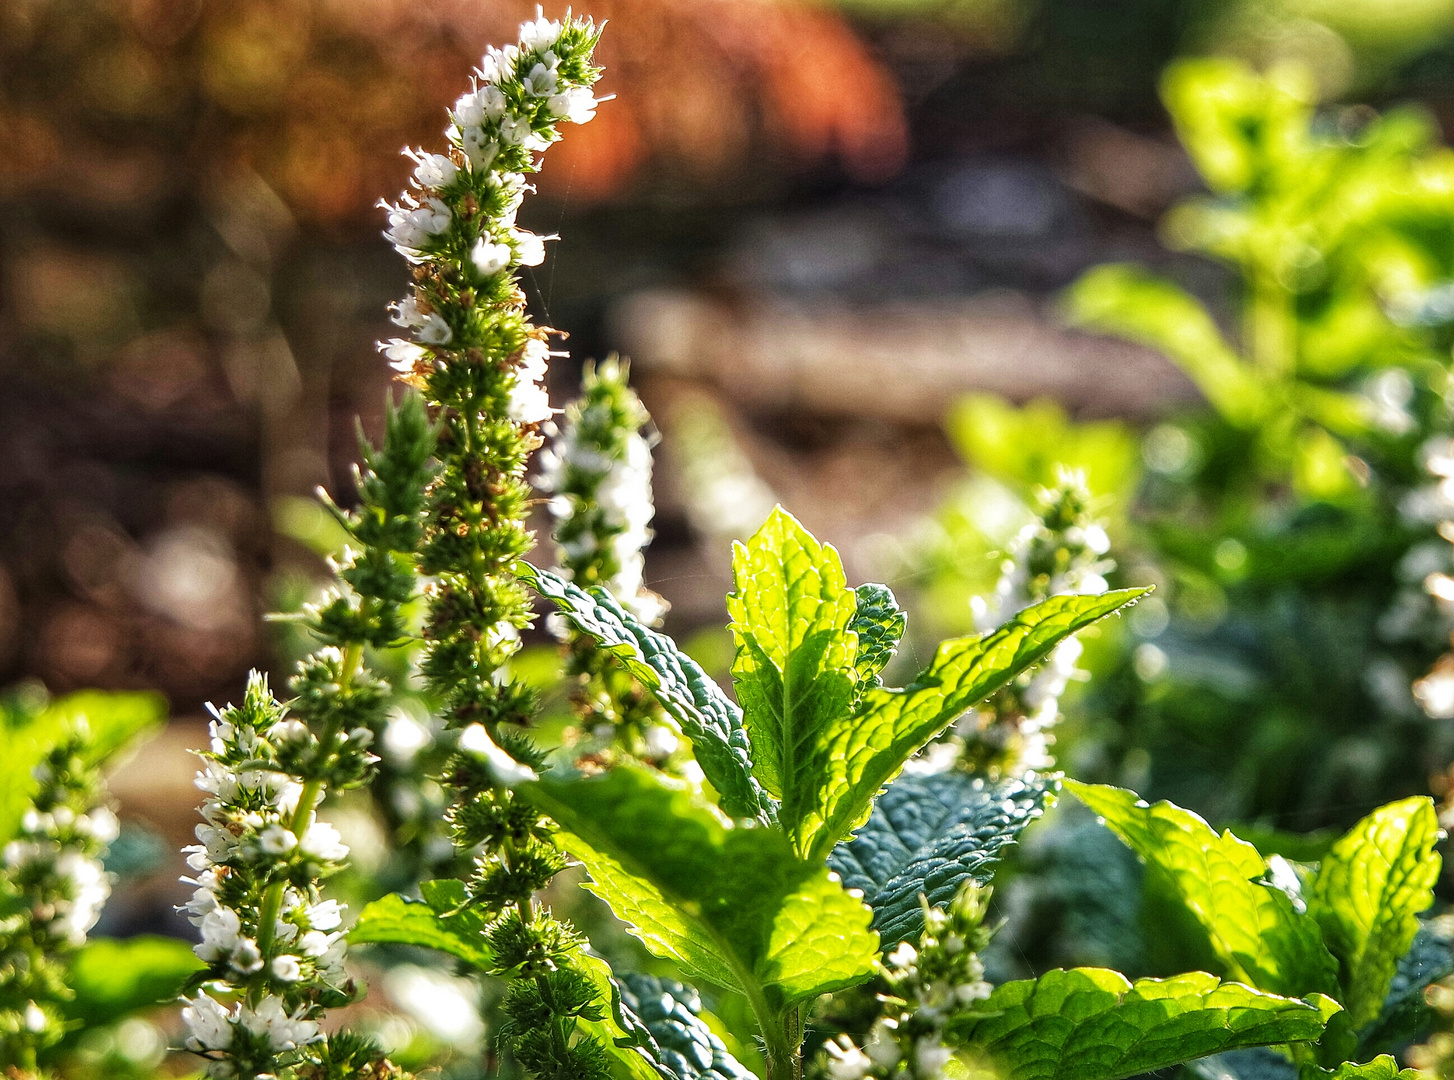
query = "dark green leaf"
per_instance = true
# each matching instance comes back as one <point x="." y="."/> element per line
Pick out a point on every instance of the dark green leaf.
<point x="1092" y="1024"/>
<point x="1406" y="1015"/>
<point x="1258" y="1063"/>
<point x="929" y="834"/>
<point x="1253" y="928"/>
<point x="664" y="1018"/>
<point x="1370" y="889"/>
<point x="707" y="715"/>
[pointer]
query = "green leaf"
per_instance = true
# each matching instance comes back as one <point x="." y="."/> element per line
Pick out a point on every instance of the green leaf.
<point x="113" y="720"/>
<point x="1382" y="1067"/>
<point x="114" y="978"/>
<point x="707" y="715"/>
<point x="795" y="670"/>
<point x="730" y="902"/>
<point x="617" y="1031"/>
<point x="1253" y="928"/>
<point x="879" y="623"/>
<point x="432" y="923"/>
<point x="1256" y="1063"/>
<point x="859" y="754"/>
<point x="1406" y="1014"/>
<point x="664" y="1018"/>
<point x="1370" y="889"/>
<point x="1092" y="1024"/>
<point x="929" y="834"/>
<point x="1128" y="302"/>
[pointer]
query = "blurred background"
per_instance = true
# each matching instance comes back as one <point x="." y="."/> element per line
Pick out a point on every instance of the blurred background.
<point x="813" y="227"/>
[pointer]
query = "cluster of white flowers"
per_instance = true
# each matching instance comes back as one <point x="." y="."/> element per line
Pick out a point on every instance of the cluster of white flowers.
<point x="517" y="96"/>
<point x="59" y="851"/>
<point x="1061" y="552"/>
<point x="598" y="473"/>
<point x="928" y="984"/>
<point x="277" y="945"/>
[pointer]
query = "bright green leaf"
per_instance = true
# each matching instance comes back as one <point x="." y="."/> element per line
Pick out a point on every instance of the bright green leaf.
<point x="863" y="752"/>
<point x="929" y="834"/>
<point x="1253" y="928"/>
<point x="1092" y="1024"/>
<point x="879" y="623"/>
<point x="114" y="978"/>
<point x="795" y="670"/>
<point x="432" y="923"/>
<point x="1382" y="1067"/>
<point x="729" y="902"/>
<point x="1370" y="889"/>
<point x="1130" y="303"/>
<point x="707" y="716"/>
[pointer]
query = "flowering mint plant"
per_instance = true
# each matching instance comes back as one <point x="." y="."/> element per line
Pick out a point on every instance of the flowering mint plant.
<point x="599" y="473"/>
<point x="272" y="945"/>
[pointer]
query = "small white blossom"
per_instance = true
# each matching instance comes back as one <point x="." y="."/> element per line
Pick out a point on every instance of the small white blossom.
<point x="846" y="1061"/>
<point x="276" y="840"/>
<point x="531" y="248"/>
<point x="432" y="170"/>
<point x="506" y="771"/>
<point x="285" y="968"/>
<point x="322" y="842"/>
<point x="284" y="1032"/>
<point x="539" y="34"/>
<point x="489" y="257"/>
<point x="209" y="1023"/>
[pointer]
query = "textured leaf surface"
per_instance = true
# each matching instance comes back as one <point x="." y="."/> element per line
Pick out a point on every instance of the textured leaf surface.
<point x="114" y="978"/>
<point x="431" y="923"/>
<point x="879" y="623"/>
<point x="1370" y="889"/>
<point x="730" y="902"/>
<point x="1405" y="1014"/>
<point x="864" y="752"/>
<point x="706" y="714"/>
<point x="1254" y="929"/>
<point x="1258" y="1063"/>
<point x="930" y="834"/>
<point x="1382" y="1067"/>
<point x="665" y="1019"/>
<point x="1092" y="1024"/>
<point x="795" y="670"/>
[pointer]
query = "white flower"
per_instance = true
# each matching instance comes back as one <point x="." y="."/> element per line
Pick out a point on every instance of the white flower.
<point x="325" y="916"/>
<point x="498" y="65"/>
<point x="295" y="730"/>
<point x="541" y="82"/>
<point x="101" y="824"/>
<point x="904" y="956"/>
<point x="322" y="842"/>
<point x="209" y="1023"/>
<point x="529" y="403"/>
<point x="204" y="900"/>
<point x="412" y="227"/>
<point x="285" y="968"/>
<point x="539" y="34"/>
<point x="576" y="105"/>
<point x="931" y="1056"/>
<point x="276" y="840"/>
<point x="314" y="943"/>
<point x="882" y="1048"/>
<point x="404" y="356"/>
<point x="531" y="248"/>
<point x="506" y="771"/>
<point x="479" y="147"/>
<point x="246" y="957"/>
<point x="284" y="1032"/>
<point x="490" y="258"/>
<point x="220" y="929"/>
<point x="969" y="993"/>
<point x="432" y="170"/>
<point x="846" y="1061"/>
<point x="34" y="1018"/>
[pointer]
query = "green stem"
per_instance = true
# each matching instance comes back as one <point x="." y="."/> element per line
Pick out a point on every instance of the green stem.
<point x="783" y="1039"/>
<point x="1271" y="326"/>
<point x="307" y="803"/>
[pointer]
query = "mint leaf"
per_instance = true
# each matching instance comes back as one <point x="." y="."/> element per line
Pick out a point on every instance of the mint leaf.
<point x="879" y="623"/>
<point x="664" y="1018"/>
<point x="707" y="715"/>
<point x="1258" y="1063"/>
<point x="929" y="834"/>
<point x="432" y="923"/>
<point x="1092" y="1024"/>
<point x="1406" y="1015"/>
<point x="114" y="978"/>
<point x="1253" y="928"/>
<point x="730" y="903"/>
<point x="1382" y="1067"/>
<point x="859" y="754"/>
<point x="795" y="668"/>
<point x="1368" y="894"/>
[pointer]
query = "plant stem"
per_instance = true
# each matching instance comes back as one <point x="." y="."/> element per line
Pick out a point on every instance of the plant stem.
<point x="782" y="1039"/>
<point x="307" y="802"/>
